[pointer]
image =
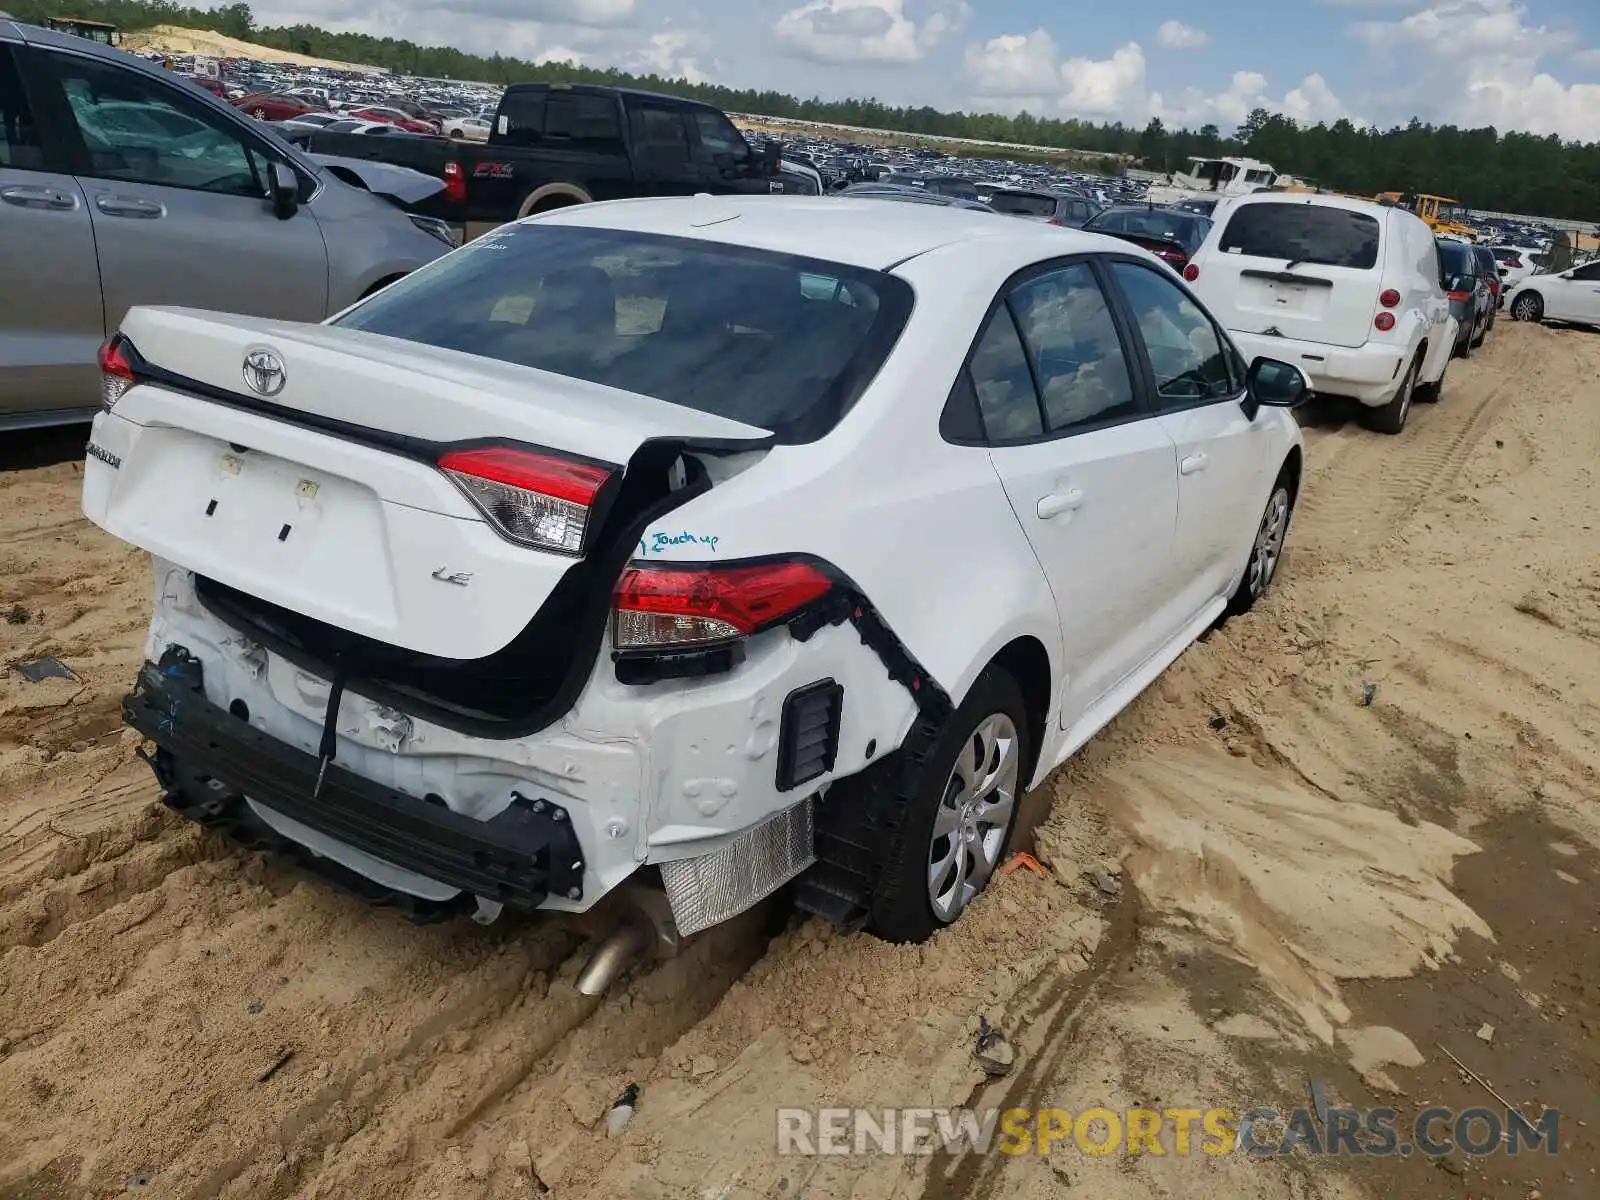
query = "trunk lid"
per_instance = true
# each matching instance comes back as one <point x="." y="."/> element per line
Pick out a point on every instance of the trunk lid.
<point x="332" y="506"/>
<point x="1274" y="294"/>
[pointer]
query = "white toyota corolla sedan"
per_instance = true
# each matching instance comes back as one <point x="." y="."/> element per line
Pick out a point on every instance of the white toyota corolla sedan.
<point x="698" y="544"/>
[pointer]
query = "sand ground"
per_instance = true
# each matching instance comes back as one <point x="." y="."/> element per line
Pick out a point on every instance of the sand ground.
<point x="1301" y="886"/>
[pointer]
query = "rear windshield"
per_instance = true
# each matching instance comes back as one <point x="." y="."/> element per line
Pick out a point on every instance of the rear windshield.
<point x="1303" y="233"/>
<point x="775" y="341"/>
<point x="1510" y="257"/>
<point x="1159" y="224"/>
<point x="1023" y="204"/>
<point x="1457" y="259"/>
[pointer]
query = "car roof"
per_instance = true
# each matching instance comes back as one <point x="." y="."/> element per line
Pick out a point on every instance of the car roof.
<point x="860" y="233"/>
<point x="1370" y="207"/>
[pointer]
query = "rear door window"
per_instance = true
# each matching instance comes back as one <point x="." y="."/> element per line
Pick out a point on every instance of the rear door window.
<point x="1076" y="352"/>
<point x="1007" y="401"/>
<point x="522" y="118"/>
<point x="1022" y="204"/>
<point x="1303" y="233"/>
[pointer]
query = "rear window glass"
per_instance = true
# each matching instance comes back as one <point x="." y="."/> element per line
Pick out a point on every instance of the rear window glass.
<point x="1157" y="224"/>
<point x="773" y="340"/>
<point x="1022" y="204"/>
<point x="1456" y="259"/>
<point x="1303" y="233"/>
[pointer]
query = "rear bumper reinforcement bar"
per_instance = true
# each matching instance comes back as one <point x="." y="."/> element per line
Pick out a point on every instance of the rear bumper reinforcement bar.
<point x="208" y="760"/>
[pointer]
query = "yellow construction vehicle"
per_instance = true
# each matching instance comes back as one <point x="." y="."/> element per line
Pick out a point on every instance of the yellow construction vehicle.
<point x="1443" y="215"/>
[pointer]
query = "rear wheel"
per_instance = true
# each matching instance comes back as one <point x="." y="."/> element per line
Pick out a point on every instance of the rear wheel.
<point x="1528" y="307"/>
<point x="959" y="805"/>
<point x="1391" y="418"/>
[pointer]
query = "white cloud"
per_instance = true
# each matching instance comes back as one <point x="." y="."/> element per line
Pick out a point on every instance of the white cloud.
<point x="1018" y="71"/>
<point x="1588" y="59"/>
<point x="859" y="31"/>
<point x="1479" y="62"/>
<point x="672" y="53"/>
<point x="1175" y="35"/>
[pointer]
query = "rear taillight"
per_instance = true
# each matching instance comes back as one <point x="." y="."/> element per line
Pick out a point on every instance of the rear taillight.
<point x="455" y="183"/>
<point x="1389" y="298"/>
<point x="663" y="607"/>
<point x="1172" y="256"/>
<point x="1384" y="322"/>
<point x="532" y="498"/>
<point x="116" y="371"/>
<point x="1458" y="297"/>
<point x="1191" y="272"/>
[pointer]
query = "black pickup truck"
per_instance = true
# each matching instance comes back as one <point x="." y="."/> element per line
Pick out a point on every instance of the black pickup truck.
<point x="557" y="144"/>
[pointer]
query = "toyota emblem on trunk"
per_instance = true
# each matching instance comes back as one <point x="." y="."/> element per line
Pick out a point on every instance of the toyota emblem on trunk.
<point x="263" y="372"/>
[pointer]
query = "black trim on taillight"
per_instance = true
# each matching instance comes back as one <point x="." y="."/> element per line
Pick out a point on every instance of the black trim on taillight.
<point x="641" y="667"/>
<point x="808" y="733"/>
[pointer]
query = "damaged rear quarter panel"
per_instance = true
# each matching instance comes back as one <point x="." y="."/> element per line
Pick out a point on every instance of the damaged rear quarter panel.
<point x="922" y="527"/>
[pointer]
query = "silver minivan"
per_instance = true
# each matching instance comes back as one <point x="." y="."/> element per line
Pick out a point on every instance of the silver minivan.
<point x="122" y="184"/>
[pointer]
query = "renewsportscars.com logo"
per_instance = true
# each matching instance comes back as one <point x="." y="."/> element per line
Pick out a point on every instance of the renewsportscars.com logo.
<point x="1260" y="1132"/>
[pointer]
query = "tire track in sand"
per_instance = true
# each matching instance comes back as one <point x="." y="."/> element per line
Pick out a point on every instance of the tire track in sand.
<point x="1362" y="487"/>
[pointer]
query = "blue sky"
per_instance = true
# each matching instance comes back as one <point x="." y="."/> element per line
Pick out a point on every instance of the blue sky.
<point x="1515" y="64"/>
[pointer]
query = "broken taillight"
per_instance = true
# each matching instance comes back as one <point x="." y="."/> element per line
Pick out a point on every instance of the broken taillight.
<point x="116" y="371"/>
<point x="658" y="607"/>
<point x="530" y="497"/>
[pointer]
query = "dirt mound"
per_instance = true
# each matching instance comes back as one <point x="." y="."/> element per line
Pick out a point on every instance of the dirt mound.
<point x="175" y="39"/>
<point x="1238" y="866"/>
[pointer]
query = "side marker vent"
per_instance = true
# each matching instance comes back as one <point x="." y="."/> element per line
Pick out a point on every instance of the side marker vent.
<point x="808" y="735"/>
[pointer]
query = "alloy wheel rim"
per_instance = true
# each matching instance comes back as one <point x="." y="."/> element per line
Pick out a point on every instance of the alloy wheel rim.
<point x="969" y="831"/>
<point x="1525" y="309"/>
<point x="1269" y="542"/>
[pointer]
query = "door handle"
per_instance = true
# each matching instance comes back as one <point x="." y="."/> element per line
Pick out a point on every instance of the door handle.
<point x="129" y="206"/>
<point x="1194" y="463"/>
<point x="39" y="197"/>
<point x="1056" y="503"/>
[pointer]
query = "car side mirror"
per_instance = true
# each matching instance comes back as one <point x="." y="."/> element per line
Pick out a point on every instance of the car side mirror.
<point x="1277" y="384"/>
<point x="284" y="191"/>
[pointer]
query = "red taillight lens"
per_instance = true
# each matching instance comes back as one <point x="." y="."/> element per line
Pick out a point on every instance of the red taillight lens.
<point x="1172" y="256"/>
<point x="1191" y="272"/>
<point x="1458" y="297"/>
<point x="1384" y="321"/>
<point x="116" y="371"/>
<point x="1389" y="298"/>
<point x="455" y="183"/>
<point x="535" y="499"/>
<point x="685" y="606"/>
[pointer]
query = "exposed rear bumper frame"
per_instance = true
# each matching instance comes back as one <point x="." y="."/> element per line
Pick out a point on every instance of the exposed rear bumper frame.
<point x="208" y="760"/>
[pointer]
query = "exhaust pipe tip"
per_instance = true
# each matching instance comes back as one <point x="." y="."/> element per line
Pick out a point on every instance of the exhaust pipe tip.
<point x="620" y="947"/>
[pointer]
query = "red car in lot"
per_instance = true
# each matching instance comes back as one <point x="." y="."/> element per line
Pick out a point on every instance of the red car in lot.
<point x="393" y="116"/>
<point x="274" y="106"/>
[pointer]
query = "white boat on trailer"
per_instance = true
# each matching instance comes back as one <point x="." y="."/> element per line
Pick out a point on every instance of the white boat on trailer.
<point x="1216" y="179"/>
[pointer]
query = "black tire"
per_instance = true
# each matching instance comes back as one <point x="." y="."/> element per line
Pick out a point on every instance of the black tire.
<point x="1529" y="306"/>
<point x="1391" y="418"/>
<point x="1259" y="569"/>
<point x="907" y="802"/>
<point x="1482" y="333"/>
